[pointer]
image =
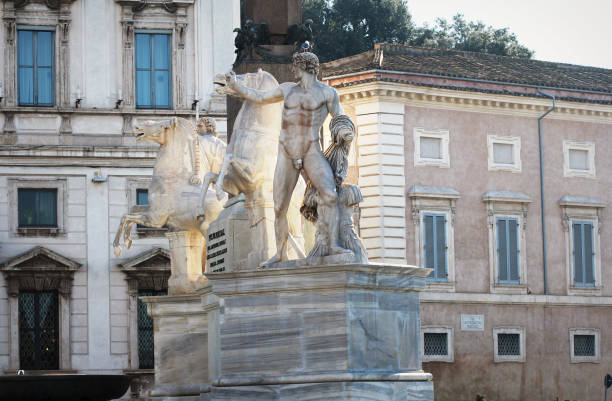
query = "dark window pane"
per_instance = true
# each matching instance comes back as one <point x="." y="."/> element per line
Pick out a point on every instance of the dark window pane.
<point x="508" y="344"/>
<point x="37" y="207"/>
<point x="578" y="254"/>
<point x="142" y="196"/>
<point x="435" y="344"/>
<point x="584" y="345"/>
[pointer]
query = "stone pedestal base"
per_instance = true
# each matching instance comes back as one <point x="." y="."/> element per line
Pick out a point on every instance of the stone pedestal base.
<point x="343" y="332"/>
<point x="325" y="391"/>
<point x="185" y="262"/>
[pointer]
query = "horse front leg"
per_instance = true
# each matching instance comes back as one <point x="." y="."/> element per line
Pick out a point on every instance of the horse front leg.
<point x="125" y="227"/>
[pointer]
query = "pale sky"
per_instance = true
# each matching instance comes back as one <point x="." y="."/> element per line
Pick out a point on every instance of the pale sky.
<point x="567" y="31"/>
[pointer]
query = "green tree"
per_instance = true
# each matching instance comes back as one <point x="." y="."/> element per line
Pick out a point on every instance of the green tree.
<point x="346" y="27"/>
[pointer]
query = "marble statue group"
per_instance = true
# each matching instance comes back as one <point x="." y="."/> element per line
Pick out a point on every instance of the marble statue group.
<point x="274" y="159"/>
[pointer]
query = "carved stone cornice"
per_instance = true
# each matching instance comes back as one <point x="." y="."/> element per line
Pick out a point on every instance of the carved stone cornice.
<point x="51" y="4"/>
<point x="148" y="270"/>
<point x="170" y="6"/>
<point x="415" y="95"/>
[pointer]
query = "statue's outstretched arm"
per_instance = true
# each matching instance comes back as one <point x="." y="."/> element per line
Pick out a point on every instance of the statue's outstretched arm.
<point x="254" y="95"/>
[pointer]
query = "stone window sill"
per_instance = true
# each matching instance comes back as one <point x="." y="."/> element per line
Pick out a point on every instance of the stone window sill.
<point x="576" y="290"/>
<point x="40" y="232"/>
<point x="511" y="289"/>
<point x="440" y="286"/>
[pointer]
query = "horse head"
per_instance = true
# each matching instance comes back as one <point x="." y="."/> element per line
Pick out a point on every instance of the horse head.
<point x="155" y="131"/>
<point x="261" y="79"/>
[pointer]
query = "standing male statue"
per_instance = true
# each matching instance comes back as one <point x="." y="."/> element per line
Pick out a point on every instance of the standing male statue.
<point x="306" y="105"/>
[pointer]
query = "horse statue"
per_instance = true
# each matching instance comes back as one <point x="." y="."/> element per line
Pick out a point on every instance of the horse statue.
<point x="248" y="168"/>
<point x="175" y="192"/>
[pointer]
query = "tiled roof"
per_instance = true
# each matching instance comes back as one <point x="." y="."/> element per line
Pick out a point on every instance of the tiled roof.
<point x="470" y="65"/>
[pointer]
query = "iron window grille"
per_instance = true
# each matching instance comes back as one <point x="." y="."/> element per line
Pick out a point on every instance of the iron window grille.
<point x="584" y="345"/>
<point x="38" y="330"/>
<point x="435" y="343"/>
<point x="146" y="358"/>
<point x="508" y="344"/>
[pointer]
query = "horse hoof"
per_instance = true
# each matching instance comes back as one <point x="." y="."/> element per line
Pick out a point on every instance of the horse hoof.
<point x="118" y="251"/>
<point x="128" y="244"/>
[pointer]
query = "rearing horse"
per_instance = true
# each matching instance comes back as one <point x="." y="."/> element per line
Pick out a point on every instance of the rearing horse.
<point x="174" y="192"/>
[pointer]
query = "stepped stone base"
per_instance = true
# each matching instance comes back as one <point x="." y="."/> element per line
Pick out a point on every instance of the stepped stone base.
<point x="333" y="332"/>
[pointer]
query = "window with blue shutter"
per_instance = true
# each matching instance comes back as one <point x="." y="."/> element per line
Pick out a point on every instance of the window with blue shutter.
<point x="583" y="254"/>
<point x="435" y="245"/>
<point x="508" y="250"/>
<point x="153" y="67"/>
<point x="35" y="53"/>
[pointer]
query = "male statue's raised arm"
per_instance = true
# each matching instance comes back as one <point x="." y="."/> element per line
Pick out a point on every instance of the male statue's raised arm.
<point x="253" y="95"/>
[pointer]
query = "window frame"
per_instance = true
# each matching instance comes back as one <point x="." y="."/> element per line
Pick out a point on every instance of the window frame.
<point x="52" y="30"/>
<point x="135" y="185"/>
<point x="582" y="209"/>
<point x="19" y="205"/>
<point x="35" y="329"/>
<point x="507" y="218"/>
<point x="443" y="135"/>
<point x="582" y="223"/>
<point x="435" y="216"/>
<point x="150" y="33"/>
<point x="509" y="330"/>
<point x="507" y="205"/>
<point x="59" y="184"/>
<point x="585" y="359"/>
<point x="438" y="200"/>
<point x="449" y="331"/>
<point x="575" y="145"/>
<point x="515" y="141"/>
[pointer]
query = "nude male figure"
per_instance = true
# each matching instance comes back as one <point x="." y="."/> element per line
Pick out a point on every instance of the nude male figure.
<point x="306" y="105"/>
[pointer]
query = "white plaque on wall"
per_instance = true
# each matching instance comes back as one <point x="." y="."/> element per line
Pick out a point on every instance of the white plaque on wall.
<point x="472" y="322"/>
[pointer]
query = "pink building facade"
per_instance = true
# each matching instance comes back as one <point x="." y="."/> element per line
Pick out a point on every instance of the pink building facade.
<point x="448" y="159"/>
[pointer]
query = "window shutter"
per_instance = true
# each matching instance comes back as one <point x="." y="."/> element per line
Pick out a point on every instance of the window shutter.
<point x="502" y="250"/>
<point x="589" y="278"/>
<point x="440" y="247"/>
<point x="428" y="220"/>
<point x="25" y="62"/>
<point x="513" y="250"/>
<point x="578" y="253"/>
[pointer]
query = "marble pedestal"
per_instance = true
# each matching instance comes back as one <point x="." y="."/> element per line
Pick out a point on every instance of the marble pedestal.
<point x="186" y="262"/>
<point x="344" y="332"/>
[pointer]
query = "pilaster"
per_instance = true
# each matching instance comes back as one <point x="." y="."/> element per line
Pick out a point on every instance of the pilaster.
<point x="381" y="163"/>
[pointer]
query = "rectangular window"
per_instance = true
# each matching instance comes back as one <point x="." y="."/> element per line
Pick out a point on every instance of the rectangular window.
<point x="502" y="153"/>
<point x="583" y="253"/>
<point x="145" y="331"/>
<point x="38" y="331"/>
<point x="37" y="207"/>
<point x="435" y="343"/>
<point x="508" y="344"/>
<point x="508" y="250"/>
<point x="578" y="159"/>
<point x="35" y="48"/>
<point x="430" y="148"/>
<point x="153" y="71"/>
<point x="584" y="345"/>
<point x="142" y="197"/>
<point x="435" y="245"/>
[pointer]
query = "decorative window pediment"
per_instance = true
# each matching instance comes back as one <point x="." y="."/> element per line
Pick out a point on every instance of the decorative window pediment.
<point x="149" y="270"/>
<point x="40" y="269"/>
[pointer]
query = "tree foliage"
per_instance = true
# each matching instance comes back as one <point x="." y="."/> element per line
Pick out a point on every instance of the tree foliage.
<point x="347" y="27"/>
